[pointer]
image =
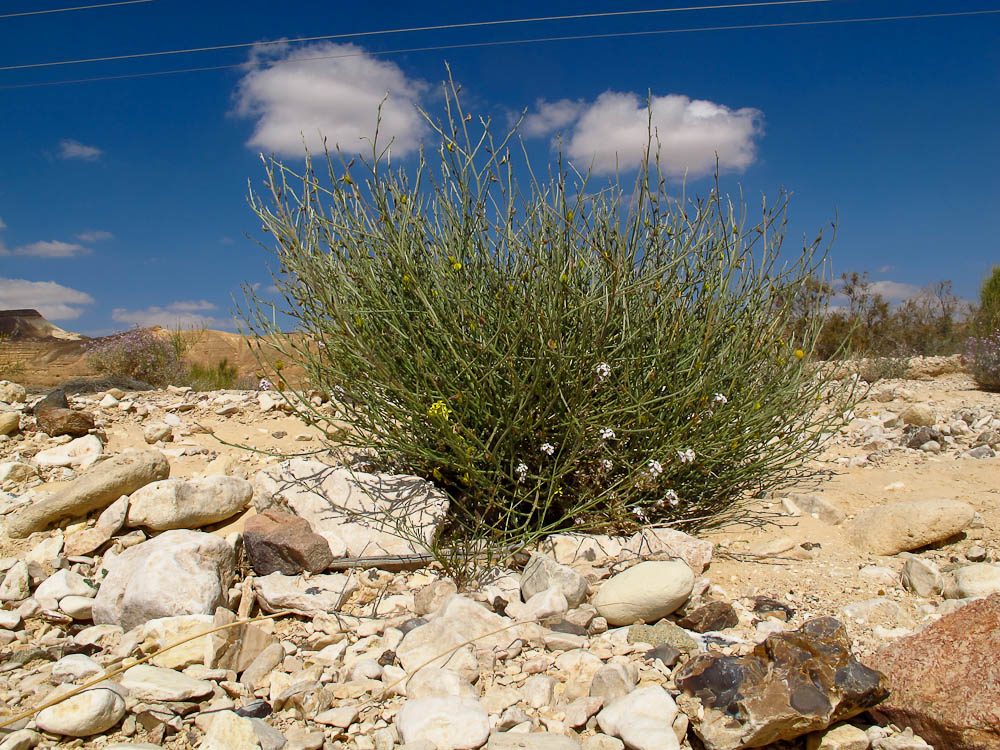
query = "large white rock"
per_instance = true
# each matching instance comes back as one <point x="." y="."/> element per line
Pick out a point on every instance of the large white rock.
<point x="319" y="593"/>
<point x="81" y="453"/>
<point x="645" y="592"/>
<point x="981" y="579"/>
<point x="664" y="542"/>
<point x="432" y="682"/>
<point x="91" y="712"/>
<point x="642" y="719"/>
<point x="457" y="620"/>
<point x="543" y="572"/>
<point x="449" y="723"/>
<point x="188" y="503"/>
<point x="74" y="667"/>
<point x="158" y="684"/>
<point x="365" y="514"/>
<point x="177" y="573"/>
<point x="9" y="421"/>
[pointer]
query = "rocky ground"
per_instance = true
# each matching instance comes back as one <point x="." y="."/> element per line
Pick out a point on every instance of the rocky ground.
<point x="864" y="614"/>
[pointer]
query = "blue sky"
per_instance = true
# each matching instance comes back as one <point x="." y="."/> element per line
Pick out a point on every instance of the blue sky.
<point x="123" y="201"/>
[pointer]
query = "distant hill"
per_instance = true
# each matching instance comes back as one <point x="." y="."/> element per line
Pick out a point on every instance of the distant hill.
<point x="29" y="324"/>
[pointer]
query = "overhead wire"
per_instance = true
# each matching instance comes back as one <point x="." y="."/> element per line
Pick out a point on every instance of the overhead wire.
<point x="440" y="27"/>
<point x="511" y="42"/>
<point x="75" y="7"/>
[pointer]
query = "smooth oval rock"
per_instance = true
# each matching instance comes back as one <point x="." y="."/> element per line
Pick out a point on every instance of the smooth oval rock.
<point x="981" y="579"/>
<point x="98" y="488"/>
<point x="645" y="592"/>
<point x="158" y="684"/>
<point x="91" y="712"/>
<point x="81" y="453"/>
<point x="188" y="503"/>
<point x="9" y="422"/>
<point x="898" y="527"/>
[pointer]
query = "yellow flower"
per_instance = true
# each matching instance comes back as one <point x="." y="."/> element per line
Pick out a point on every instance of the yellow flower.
<point x="799" y="353"/>
<point x="439" y="410"/>
<point x="464" y="478"/>
<point x="457" y="266"/>
<point x="436" y="474"/>
<point x="406" y="278"/>
<point x="569" y="216"/>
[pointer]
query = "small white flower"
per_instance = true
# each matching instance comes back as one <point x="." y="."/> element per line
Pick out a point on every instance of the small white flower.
<point x="603" y="370"/>
<point x="686" y="456"/>
<point x="655" y="468"/>
<point x="607" y="433"/>
<point x="671" y="497"/>
<point x="720" y="398"/>
<point x="607" y="464"/>
<point x="548" y="449"/>
<point x="640" y="513"/>
<point x="265" y="384"/>
<point x="522" y="471"/>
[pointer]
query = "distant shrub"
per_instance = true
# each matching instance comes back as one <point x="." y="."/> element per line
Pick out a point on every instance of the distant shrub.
<point x="982" y="357"/>
<point x="987" y="318"/>
<point x="221" y="376"/>
<point x="569" y="356"/>
<point x="136" y="354"/>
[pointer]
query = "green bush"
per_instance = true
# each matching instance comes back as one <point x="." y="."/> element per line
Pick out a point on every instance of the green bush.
<point x="987" y="318"/>
<point x="552" y="358"/>
<point x="222" y="376"/>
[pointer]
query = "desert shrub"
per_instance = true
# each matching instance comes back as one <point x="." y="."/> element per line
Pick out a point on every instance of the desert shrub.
<point x="136" y="354"/>
<point x="552" y="357"/>
<point x="182" y="339"/>
<point x="987" y="318"/>
<point x="220" y="376"/>
<point x="982" y="357"/>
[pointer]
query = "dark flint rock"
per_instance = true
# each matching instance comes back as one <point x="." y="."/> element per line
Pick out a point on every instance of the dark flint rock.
<point x="790" y="684"/>
<point x="55" y="422"/>
<point x="55" y="400"/>
<point x="411" y="624"/>
<point x="712" y="616"/>
<point x="917" y="436"/>
<point x="665" y="653"/>
<point x="559" y="625"/>
<point x="279" y="542"/>
<point x="988" y="437"/>
<point x="945" y="680"/>
<point x="765" y="606"/>
<point x="388" y="658"/>
<point x="258" y="709"/>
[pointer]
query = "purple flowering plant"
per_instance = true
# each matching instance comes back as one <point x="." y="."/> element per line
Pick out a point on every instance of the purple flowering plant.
<point x="982" y="357"/>
<point x="137" y="354"/>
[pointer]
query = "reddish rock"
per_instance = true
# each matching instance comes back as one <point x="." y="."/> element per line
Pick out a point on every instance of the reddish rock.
<point x="55" y="421"/>
<point x="710" y="617"/>
<point x="945" y="680"/>
<point x="279" y="542"/>
<point x="790" y="684"/>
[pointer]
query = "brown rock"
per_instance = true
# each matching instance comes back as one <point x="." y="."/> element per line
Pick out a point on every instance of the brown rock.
<point x="712" y="616"/>
<point x="55" y="422"/>
<point x="898" y="527"/>
<point x="945" y="680"/>
<point x="279" y="542"/>
<point x="791" y="684"/>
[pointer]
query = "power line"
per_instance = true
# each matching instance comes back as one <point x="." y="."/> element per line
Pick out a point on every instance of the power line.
<point x="512" y="42"/>
<point x="75" y="7"/>
<point x="442" y="27"/>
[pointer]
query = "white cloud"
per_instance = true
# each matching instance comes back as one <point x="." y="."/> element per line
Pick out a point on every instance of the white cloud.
<point x="2" y="225"/>
<point x="895" y="290"/>
<point x="551" y="116"/>
<point x="181" y="314"/>
<point x="94" y="236"/>
<point x="52" y="249"/>
<point x="54" y="301"/>
<point x="613" y="131"/>
<point x="70" y="149"/>
<point x="291" y="97"/>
